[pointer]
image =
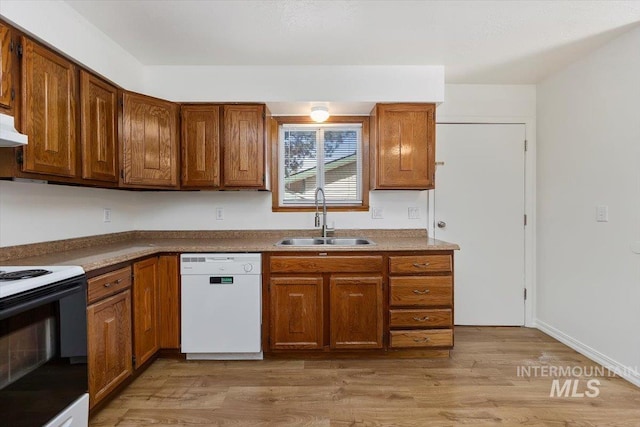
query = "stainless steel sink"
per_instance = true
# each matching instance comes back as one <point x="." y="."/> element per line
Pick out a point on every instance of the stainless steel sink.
<point x="320" y="241"/>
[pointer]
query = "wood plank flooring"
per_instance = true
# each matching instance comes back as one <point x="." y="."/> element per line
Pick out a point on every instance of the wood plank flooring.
<point x="478" y="386"/>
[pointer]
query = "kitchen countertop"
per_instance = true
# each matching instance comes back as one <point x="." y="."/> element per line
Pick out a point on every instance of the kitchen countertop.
<point x="104" y="251"/>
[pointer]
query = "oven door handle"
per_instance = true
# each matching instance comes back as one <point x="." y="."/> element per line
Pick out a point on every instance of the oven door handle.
<point x="20" y="303"/>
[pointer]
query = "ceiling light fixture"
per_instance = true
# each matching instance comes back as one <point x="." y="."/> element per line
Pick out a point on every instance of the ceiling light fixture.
<point x="319" y="113"/>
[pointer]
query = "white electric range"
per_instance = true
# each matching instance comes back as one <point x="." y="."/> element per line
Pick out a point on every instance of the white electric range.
<point x="43" y="327"/>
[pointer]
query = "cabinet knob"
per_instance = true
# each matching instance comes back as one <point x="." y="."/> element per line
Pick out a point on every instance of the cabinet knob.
<point x="442" y="224"/>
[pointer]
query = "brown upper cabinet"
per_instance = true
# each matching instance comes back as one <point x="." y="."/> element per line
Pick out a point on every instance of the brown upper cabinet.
<point x="201" y="146"/>
<point x="245" y="147"/>
<point x="49" y="93"/>
<point x="98" y="134"/>
<point x="6" y="63"/>
<point x="149" y="146"/>
<point x="403" y="146"/>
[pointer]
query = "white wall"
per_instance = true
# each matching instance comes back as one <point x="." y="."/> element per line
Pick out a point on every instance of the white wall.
<point x="588" y="155"/>
<point x="410" y="83"/>
<point x="59" y="25"/>
<point x="31" y="213"/>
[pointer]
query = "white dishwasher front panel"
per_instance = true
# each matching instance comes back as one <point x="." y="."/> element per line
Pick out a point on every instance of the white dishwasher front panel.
<point x="221" y="310"/>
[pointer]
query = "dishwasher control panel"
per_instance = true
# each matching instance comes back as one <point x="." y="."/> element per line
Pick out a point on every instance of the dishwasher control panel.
<point x="221" y="264"/>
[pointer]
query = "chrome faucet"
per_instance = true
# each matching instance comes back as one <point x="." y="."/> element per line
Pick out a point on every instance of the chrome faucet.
<point x="325" y="229"/>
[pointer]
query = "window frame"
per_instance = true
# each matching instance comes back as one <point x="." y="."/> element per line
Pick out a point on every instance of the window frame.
<point x="275" y="163"/>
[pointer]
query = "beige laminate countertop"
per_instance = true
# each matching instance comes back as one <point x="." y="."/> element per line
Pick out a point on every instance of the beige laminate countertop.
<point x="141" y="244"/>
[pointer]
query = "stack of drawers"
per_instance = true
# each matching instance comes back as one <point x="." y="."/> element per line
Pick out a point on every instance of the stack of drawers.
<point x="421" y="301"/>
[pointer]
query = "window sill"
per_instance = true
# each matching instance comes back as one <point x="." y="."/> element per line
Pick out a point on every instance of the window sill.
<point x="333" y="208"/>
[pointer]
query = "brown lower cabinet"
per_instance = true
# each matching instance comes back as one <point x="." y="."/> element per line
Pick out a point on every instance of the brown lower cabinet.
<point x="132" y="312"/>
<point x="145" y="310"/>
<point x="109" y="332"/>
<point x="385" y="301"/>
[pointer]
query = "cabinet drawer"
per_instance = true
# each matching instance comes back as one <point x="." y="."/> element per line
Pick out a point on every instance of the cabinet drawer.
<point x="420" y="318"/>
<point x="419" y="264"/>
<point x="418" y="338"/>
<point x="421" y="291"/>
<point x="325" y="264"/>
<point x="108" y="284"/>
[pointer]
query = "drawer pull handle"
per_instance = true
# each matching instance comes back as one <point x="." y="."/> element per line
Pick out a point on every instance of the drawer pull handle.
<point x="421" y="319"/>
<point x="108" y="284"/>
<point x="419" y="292"/>
<point x="421" y="264"/>
<point x="425" y="339"/>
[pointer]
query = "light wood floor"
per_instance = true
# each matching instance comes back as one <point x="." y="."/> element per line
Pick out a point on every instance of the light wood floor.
<point x="477" y="386"/>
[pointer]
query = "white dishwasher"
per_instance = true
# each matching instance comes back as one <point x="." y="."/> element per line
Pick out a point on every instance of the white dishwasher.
<point x="221" y="305"/>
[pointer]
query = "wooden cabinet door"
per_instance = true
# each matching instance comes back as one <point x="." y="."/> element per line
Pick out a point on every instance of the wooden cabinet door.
<point x="201" y="146"/>
<point x="296" y="312"/>
<point x="169" y="301"/>
<point x="244" y="146"/>
<point x="49" y="111"/>
<point x="6" y="59"/>
<point x="98" y="115"/>
<point x="356" y="311"/>
<point x="404" y="146"/>
<point x="109" y="341"/>
<point x="150" y="142"/>
<point x="145" y="309"/>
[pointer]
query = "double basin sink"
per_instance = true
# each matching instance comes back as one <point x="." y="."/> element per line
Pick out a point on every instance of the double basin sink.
<point x="324" y="241"/>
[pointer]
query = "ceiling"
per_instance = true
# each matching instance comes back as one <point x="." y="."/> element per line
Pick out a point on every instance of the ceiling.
<point x="505" y="42"/>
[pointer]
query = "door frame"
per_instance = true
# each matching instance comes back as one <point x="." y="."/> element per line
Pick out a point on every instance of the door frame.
<point x="529" y="200"/>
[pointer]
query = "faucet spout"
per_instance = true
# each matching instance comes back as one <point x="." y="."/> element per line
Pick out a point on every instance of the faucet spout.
<point x="325" y="229"/>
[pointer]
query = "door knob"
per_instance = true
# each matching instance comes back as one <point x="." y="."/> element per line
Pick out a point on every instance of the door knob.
<point x="442" y="224"/>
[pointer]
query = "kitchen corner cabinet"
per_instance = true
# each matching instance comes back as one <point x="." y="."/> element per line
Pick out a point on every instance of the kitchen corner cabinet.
<point x="98" y="133"/>
<point x="245" y="146"/>
<point x="201" y="146"/>
<point x="150" y="140"/>
<point x="6" y="66"/>
<point x="49" y="93"/>
<point x="109" y="332"/>
<point x="145" y="310"/>
<point x="169" y="301"/>
<point x="402" y="153"/>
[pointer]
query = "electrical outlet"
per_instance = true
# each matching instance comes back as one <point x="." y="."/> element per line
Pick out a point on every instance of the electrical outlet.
<point x="602" y="213"/>
<point x="219" y="214"/>
<point x="413" y="212"/>
<point x="376" y="213"/>
<point x="106" y="215"/>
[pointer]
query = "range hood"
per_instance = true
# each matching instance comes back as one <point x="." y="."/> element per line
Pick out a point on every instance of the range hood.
<point x="9" y="136"/>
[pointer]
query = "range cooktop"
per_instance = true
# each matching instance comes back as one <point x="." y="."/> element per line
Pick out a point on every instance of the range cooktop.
<point x="17" y="279"/>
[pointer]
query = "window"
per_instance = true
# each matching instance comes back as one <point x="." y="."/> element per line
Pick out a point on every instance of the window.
<point x="326" y="155"/>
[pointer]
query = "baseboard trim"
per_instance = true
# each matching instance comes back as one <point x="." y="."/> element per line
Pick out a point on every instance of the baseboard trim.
<point x="623" y="371"/>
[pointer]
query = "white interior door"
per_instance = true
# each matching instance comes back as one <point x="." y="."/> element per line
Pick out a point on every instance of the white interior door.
<point x="479" y="204"/>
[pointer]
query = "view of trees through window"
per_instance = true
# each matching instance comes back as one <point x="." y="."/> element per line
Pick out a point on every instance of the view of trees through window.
<point x="328" y="157"/>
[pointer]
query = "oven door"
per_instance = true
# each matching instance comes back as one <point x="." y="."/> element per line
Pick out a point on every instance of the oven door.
<point x="43" y="352"/>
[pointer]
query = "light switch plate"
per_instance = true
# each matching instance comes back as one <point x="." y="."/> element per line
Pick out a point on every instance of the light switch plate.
<point x="219" y="214"/>
<point x="413" y="212"/>
<point x="377" y="213"/>
<point x="602" y="213"/>
<point x="106" y="215"/>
